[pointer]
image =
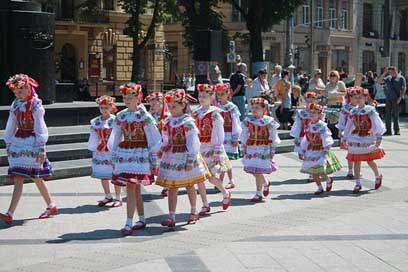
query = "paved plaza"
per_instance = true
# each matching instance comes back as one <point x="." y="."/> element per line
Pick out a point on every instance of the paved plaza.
<point x="293" y="230"/>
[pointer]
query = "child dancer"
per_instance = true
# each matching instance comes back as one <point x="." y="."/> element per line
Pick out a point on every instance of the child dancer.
<point x="300" y="125"/>
<point x="181" y="164"/>
<point x="232" y="127"/>
<point x="259" y="140"/>
<point x="26" y="135"/>
<point x="363" y="135"/>
<point x="134" y="141"/>
<point x="159" y="112"/>
<point x="210" y="125"/>
<point x="101" y="128"/>
<point x="344" y="115"/>
<point x="318" y="159"/>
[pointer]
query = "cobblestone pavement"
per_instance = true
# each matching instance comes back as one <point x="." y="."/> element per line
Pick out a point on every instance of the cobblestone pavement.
<point x="293" y="230"/>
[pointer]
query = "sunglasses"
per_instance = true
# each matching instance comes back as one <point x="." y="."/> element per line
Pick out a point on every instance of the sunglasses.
<point x="332" y="75"/>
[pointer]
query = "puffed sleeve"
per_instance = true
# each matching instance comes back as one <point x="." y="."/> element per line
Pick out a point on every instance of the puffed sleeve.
<point x="349" y="127"/>
<point x="378" y="125"/>
<point x="273" y="134"/>
<point x="217" y="134"/>
<point x="244" y="133"/>
<point x="93" y="140"/>
<point x="236" y="125"/>
<point x="116" y="135"/>
<point x="40" y="128"/>
<point x="192" y="141"/>
<point x="11" y="128"/>
<point x="326" y="135"/>
<point x="154" y="139"/>
<point x="297" y="127"/>
<point x="341" y="124"/>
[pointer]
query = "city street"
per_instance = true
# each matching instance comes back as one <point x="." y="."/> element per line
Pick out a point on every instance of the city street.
<point x="293" y="230"/>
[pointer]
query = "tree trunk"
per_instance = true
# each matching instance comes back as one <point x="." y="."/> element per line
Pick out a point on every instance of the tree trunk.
<point x="254" y="25"/>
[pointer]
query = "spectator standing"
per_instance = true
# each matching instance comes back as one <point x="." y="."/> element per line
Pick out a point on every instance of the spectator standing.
<point x="371" y="84"/>
<point x="335" y="90"/>
<point x="237" y="82"/>
<point x="275" y="78"/>
<point x="316" y="84"/>
<point x="394" y="92"/>
<point x="284" y="89"/>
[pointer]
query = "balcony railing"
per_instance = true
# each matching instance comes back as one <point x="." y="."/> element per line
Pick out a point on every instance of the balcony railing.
<point x="95" y="16"/>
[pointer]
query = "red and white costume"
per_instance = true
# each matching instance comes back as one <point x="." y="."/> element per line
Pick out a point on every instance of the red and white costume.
<point x="26" y="134"/>
<point x="134" y="141"/>
<point x="363" y="128"/>
<point x="98" y="144"/>
<point x="211" y="130"/>
<point x="181" y="146"/>
<point x="299" y="127"/>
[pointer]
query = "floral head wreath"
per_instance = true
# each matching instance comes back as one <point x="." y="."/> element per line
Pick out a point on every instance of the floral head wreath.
<point x="205" y="88"/>
<point x="18" y="81"/>
<point x="178" y="95"/>
<point x="315" y="107"/>
<point x="219" y="87"/>
<point x="156" y="95"/>
<point x="258" y="100"/>
<point x="107" y="100"/>
<point x="131" y="88"/>
<point x="360" y="91"/>
<point x="310" y="95"/>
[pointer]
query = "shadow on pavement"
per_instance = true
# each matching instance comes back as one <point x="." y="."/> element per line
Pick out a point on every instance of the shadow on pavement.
<point x="308" y="196"/>
<point x="87" y="208"/>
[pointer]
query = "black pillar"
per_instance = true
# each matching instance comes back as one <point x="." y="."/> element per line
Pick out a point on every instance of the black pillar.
<point x="27" y="46"/>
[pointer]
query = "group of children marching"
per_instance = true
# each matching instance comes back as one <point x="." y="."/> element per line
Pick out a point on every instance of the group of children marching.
<point x="175" y="147"/>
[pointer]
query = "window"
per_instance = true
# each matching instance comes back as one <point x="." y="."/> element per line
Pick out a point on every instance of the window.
<point x="369" y="61"/>
<point x="305" y="14"/>
<point x="109" y="5"/>
<point x="319" y="14"/>
<point x="368" y="19"/>
<point x="344" y="15"/>
<point x="236" y="16"/>
<point x="332" y="14"/>
<point x="340" y="60"/>
<point x="109" y="63"/>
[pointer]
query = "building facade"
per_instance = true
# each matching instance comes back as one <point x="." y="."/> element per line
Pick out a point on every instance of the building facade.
<point x="90" y="44"/>
<point x="345" y="35"/>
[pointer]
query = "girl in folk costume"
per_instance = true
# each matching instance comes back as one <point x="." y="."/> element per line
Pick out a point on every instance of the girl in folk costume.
<point x="341" y="125"/>
<point x="159" y="112"/>
<point x="101" y="128"/>
<point x="157" y="108"/>
<point x="302" y="121"/>
<point x="300" y="125"/>
<point x="181" y="164"/>
<point x="232" y="127"/>
<point x="210" y="125"/>
<point x="259" y="140"/>
<point x="363" y="136"/>
<point x="25" y="136"/>
<point x="318" y="159"/>
<point x="134" y="141"/>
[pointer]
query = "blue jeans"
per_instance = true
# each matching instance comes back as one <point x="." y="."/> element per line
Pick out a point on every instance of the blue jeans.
<point x="239" y="101"/>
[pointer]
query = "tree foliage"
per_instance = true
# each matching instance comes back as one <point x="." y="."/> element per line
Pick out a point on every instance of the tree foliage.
<point x="160" y="10"/>
<point x="261" y="15"/>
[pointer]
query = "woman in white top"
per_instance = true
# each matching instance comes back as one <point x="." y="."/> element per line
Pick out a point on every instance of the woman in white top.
<point x="259" y="87"/>
<point x="335" y="90"/>
<point x="316" y="84"/>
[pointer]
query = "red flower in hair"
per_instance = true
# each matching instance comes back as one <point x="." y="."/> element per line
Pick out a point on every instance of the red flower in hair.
<point x="205" y="87"/>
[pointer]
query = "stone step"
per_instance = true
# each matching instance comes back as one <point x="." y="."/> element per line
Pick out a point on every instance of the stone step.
<point x="58" y="152"/>
<point x="61" y="170"/>
<point x="61" y="135"/>
<point x="82" y="167"/>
